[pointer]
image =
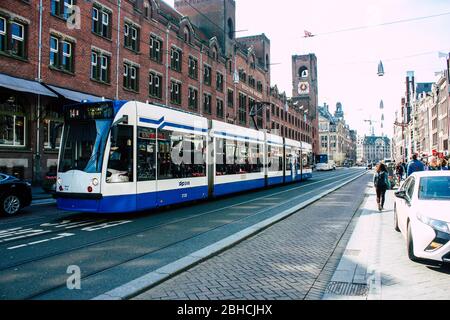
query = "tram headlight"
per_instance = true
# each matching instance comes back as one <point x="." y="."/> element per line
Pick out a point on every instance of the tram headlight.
<point x="95" y="182"/>
<point x="59" y="181"/>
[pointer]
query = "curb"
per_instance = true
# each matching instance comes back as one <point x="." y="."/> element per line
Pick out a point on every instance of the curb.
<point x="152" y="279"/>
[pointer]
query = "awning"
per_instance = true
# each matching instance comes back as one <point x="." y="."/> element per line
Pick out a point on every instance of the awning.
<point x="23" y="85"/>
<point x="75" y="95"/>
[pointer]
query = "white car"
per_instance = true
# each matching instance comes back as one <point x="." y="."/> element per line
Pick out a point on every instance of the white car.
<point x="422" y="214"/>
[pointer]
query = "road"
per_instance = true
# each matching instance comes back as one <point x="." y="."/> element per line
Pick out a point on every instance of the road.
<point x="38" y="246"/>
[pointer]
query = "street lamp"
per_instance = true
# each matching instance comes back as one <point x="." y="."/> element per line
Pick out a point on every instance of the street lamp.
<point x="257" y="107"/>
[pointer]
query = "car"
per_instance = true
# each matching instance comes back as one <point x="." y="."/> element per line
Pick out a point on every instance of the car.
<point x="15" y="194"/>
<point x="422" y="215"/>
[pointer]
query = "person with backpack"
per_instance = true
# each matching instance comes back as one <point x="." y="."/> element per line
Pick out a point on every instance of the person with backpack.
<point x="381" y="183"/>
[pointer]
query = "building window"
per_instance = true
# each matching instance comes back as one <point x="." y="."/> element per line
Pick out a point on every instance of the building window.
<point x="101" y="22"/>
<point x="61" y="54"/>
<point x="259" y="86"/>
<point x="207" y="103"/>
<point x="242" y="109"/>
<point x="193" y="68"/>
<point x="155" y="49"/>
<point x="130" y="77"/>
<point x="175" y="59"/>
<point x="12" y="124"/>
<point x="100" y="66"/>
<point x="251" y="82"/>
<point x="242" y="76"/>
<point x="207" y="75"/>
<point x="175" y="92"/>
<point x="193" y="99"/>
<point x="219" y="109"/>
<point x="49" y="127"/>
<point x="230" y="98"/>
<point x="219" y="82"/>
<point x="62" y="8"/>
<point x="131" y="37"/>
<point x="154" y="85"/>
<point x="187" y="35"/>
<point x="12" y="38"/>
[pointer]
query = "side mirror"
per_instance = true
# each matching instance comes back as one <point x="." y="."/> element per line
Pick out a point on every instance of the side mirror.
<point x="400" y="194"/>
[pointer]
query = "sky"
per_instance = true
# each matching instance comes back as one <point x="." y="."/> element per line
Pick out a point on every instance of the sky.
<point x="348" y="61"/>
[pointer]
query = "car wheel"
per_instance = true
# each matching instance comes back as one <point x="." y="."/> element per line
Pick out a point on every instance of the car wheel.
<point x="10" y="204"/>
<point x="410" y="245"/>
<point x="396" y="219"/>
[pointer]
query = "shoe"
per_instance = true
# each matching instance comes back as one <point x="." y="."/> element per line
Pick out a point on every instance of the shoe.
<point x="379" y="208"/>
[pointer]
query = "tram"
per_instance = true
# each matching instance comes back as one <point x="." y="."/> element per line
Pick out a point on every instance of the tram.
<point x="128" y="156"/>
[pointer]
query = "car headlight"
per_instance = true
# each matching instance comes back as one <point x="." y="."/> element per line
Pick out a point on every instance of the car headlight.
<point x="435" y="224"/>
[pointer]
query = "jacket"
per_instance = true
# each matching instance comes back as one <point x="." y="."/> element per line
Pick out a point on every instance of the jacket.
<point x="386" y="180"/>
<point x="414" y="166"/>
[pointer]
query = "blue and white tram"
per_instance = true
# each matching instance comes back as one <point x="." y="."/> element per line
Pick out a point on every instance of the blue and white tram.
<point x="119" y="156"/>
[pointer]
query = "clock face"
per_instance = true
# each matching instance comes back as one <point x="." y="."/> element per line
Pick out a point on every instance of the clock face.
<point x="303" y="88"/>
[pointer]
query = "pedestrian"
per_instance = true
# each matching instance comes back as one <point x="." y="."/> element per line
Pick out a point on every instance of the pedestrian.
<point x="414" y="166"/>
<point x="399" y="170"/>
<point x="444" y="164"/>
<point x="434" y="165"/>
<point x="381" y="184"/>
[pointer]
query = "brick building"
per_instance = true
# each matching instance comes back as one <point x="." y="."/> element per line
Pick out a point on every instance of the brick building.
<point x="185" y="57"/>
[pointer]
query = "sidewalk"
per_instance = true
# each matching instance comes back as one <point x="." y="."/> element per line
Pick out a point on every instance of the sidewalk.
<point x="375" y="265"/>
<point x="293" y="259"/>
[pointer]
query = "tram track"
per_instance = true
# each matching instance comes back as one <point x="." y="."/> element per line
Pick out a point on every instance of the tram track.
<point x="343" y="176"/>
<point x="81" y="218"/>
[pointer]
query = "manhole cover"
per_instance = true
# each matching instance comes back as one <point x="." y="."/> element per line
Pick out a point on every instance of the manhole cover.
<point x="347" y="289"/>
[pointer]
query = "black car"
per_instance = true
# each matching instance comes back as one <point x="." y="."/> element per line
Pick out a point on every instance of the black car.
<point x="15" y="194"/>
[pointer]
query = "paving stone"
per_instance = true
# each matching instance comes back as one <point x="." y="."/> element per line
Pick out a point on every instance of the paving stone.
<point x="284" y="261"/>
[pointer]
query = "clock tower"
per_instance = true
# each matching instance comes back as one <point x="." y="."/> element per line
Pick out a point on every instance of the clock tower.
<point x="305" y="90"/>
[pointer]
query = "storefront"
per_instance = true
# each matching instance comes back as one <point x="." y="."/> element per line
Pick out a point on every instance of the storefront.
<point x="29" y="111"/>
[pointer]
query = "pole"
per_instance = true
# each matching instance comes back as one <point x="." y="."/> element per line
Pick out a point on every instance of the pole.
<point x="37" y="156"/>
<point x="118" y="49"/>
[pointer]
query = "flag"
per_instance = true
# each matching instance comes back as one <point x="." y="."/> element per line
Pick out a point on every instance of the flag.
<point x="308" y="34"/>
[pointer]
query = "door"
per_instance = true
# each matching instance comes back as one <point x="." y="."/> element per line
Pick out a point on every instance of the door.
<point x="146" y="168"/>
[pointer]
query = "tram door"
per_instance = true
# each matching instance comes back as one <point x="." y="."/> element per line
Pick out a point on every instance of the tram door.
<point x="120" y="184"/>
<point x="146" y="164"/>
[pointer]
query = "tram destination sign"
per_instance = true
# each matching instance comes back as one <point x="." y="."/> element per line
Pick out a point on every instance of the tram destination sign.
<point x="91" y="111"/>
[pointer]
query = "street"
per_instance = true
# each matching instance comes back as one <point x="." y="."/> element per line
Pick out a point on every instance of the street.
<point x="40" y="244"/>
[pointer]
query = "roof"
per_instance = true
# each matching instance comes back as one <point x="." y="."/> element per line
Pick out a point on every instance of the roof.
<point x="324" y="112"/>
<point x="372" y="139"/>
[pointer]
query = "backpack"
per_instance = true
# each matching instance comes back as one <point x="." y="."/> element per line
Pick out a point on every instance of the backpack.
<point x="381" y="182"/>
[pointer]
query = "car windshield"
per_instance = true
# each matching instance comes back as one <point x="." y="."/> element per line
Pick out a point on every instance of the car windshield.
<point x="434" y="188"/>
<point x="83" y="145"/>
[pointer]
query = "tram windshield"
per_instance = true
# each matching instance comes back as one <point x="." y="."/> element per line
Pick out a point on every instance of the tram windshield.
<point x="86" y="129"/>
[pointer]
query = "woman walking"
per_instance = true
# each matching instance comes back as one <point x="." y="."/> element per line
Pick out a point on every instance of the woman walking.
<point x="381" y="183"/>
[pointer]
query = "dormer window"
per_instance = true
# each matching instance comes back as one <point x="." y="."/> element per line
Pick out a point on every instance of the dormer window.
<point x="187" y="35"/>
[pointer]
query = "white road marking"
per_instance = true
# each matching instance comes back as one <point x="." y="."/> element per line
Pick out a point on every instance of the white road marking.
<point x="60" y="236"/>
<point x="26" y="236"/>
<point x="105" y="225"/>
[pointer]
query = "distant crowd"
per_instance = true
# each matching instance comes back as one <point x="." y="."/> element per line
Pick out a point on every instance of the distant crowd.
<point x="434" y="163"/>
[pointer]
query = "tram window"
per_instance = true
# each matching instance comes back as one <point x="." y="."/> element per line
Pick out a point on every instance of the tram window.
<point x="275" y="156"/>
<point x="146" y="154"/>
<point x="289" y="159"/>
<point x="181" y="155"/>
<point x="237" y="157"/>
<point x="120" y="163"/>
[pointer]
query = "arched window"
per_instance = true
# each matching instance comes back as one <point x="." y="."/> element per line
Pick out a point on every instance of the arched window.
<point x="147" y="9"/>
<point x="303" y="72"/>
<point x="267" y="62"/>
<point x="214" y="52"/>
<point x="187" y="35"/>
<point x="230" y="29"/>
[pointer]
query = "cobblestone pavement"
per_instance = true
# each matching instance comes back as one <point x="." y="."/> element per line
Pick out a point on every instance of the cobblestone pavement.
<point x="293" y="259"/>
<point x="376" y="260"/>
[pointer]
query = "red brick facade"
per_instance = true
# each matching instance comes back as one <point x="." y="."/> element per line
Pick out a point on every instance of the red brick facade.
<point x="222" y="53"/>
